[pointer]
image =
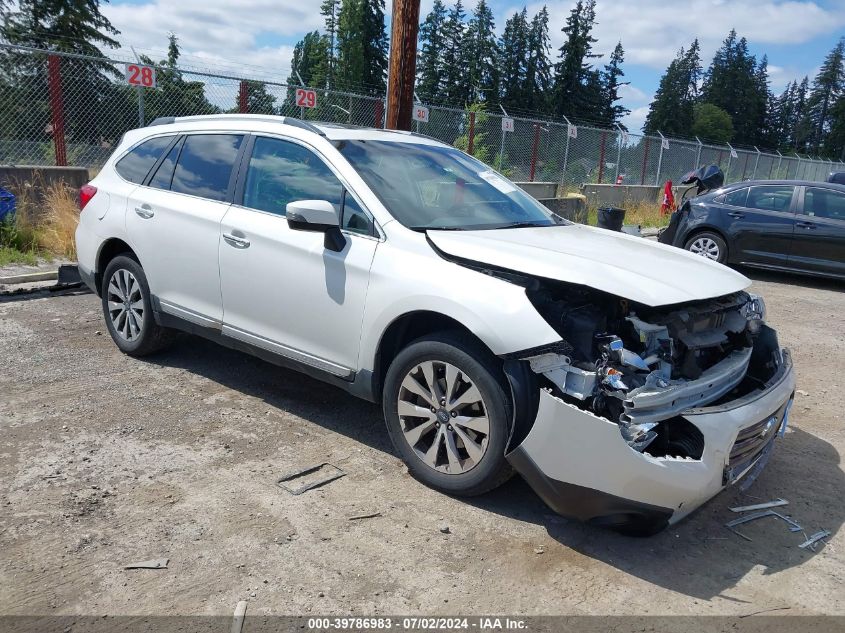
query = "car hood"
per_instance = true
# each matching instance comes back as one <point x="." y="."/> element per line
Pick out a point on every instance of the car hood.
<point x="623" y="265"/>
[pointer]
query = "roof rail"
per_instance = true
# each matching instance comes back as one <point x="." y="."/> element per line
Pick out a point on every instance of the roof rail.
<point x="270" y="118"/>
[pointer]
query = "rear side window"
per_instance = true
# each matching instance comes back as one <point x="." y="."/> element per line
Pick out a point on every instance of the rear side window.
<point x="824" y="203"/>
<point x="135" y="166"/>
<point x="205" y="165"/>
<point x="164" y="174"/>
<point x="770" y="197"/>
<point x="737" y="198"/>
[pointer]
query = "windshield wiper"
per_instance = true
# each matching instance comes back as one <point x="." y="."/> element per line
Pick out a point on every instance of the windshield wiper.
<point x="522" y="225"/>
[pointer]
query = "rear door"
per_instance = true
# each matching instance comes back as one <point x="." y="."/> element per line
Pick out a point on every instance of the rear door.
<point x="174" y="223"/>
<point x="760" y="223"/>
<point x="819" y="243"/>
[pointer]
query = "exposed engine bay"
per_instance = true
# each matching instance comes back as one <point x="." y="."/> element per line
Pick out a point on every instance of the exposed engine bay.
<point x="640" y="366"/>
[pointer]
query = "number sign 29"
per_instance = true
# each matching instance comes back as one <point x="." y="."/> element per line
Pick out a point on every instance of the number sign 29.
<point x="306" y="98"/>
<point x="138" y="75"/>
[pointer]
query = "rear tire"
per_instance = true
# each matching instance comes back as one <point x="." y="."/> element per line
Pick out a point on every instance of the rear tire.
<point x="128" y="311"/>
<point x="709" y="245"/>
<point x="455" y="414"/>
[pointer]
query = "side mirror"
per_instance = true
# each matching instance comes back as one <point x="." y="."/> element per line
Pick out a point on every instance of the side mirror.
<point x="318" y="216"/>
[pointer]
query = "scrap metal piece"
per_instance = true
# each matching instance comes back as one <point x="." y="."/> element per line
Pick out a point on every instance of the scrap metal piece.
<point x="750" y="517"/>
<point x="761" y="506"/>
<point x="795" y="527"/>
<point x="334" y="473"/>
<point x="238" y="619"/>
<point x="156" y="563"/>
<point x="812" y="540"/>
<point x="371" y="515"/>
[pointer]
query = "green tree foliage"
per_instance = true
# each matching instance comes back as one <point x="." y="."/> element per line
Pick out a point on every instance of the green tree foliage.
<point x="329" y="10"/>
<point x="828" y="88"/>
<point x="482" y="73"/>
<point x="432" y="46"/>
<point x="515" y="61"/>
<point x="671" y="111"/>
<point x="361" y="46"/>
<point x="455" y="88"/>
<point x="173" y="95"/>
<point x="577" y="85"/>
<point x="611" y="112"/>
<point x="712" y="123"/>
<point x="538" y="73"/>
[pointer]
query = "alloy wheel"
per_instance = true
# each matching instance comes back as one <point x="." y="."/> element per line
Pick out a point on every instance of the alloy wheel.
<point x="443" y="417"/>
<point x="705" y="247"/>
<point x="125" y="304"/>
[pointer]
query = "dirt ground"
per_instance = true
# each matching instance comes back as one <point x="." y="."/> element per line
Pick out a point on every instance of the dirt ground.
<point x="106" y="460"/>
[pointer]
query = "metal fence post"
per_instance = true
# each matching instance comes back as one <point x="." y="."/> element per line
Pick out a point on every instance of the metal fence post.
<point x="471" y="141"/>
<point x="660" y="159"/>
<point x="243" y="97"/>
<point x="54" y="80"/>
<point x="730" y="157"/>
<point x="645" y="160"/>
<point x="756" y="163"/>
<point x="780" y="160"/>
<point x="379" y="113"/>
<point x="698" y="154"/>
<point x="566" y="151"/>
<point x="619" y="138"/>
<point x="534" y="149"/>
<point x="601" y="155"/>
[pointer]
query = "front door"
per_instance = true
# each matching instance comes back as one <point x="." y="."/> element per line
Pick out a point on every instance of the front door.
<point x="819" y="243"/>
<point x="282" y="289"/>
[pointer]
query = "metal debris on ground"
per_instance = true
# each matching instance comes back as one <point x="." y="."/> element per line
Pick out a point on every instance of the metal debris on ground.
<point x="815" y="538"/>
<point x="327" y="473"/>
<point x="156" y="563"/>
<point x="793" y="526"/>
<point x="761" y="506"/>
<point x="238" y="620"/>
<point x="358" y="517"/>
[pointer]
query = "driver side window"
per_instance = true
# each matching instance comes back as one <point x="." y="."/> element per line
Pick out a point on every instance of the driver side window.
<point x="280" y="172"/>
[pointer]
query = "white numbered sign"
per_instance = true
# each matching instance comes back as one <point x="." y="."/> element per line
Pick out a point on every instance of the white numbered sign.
<point x="306" y="98"/>
<point x="421" y="113"/>
<point x="140" y="75"/>
<point x="572" y="131"/>
<point x="507" y="124"/>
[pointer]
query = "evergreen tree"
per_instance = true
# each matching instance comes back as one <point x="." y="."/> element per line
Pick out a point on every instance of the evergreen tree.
<point x="329" y="11"/>
<point x="538" y="74"/>
<point x="671" y="111"/>
<point x="361" y="46"/>
<point x="802" y="124"/>
<point x="576" y="83"/>
<point x="730" y="84"/>
<point x="456" y="89"/>
<point x="482" y="73"/>
<point x="613" y="112"/>
<point x="514" y="61"/>
<point x="430" y="69"/>
<point x="828" y="86"/>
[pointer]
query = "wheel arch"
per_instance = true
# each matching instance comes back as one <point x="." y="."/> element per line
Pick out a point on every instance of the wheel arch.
<point x="109" y="249"/>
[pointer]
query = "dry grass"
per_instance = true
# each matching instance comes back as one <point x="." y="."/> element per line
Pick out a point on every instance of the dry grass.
<point x="642" y="213"/>
<point x="43" y="224"/>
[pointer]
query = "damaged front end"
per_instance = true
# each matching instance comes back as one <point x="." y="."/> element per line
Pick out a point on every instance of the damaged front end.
<point x="625" y="433"/>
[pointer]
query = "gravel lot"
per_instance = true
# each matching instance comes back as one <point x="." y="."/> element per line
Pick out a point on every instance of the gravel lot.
<point x="106" y="460"/>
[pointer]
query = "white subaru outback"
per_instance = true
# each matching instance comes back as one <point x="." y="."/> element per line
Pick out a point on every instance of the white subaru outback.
<point x="626" y="381"/>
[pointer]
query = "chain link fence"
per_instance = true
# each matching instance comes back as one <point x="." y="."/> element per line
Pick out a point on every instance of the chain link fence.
<point x="65" y="109"/>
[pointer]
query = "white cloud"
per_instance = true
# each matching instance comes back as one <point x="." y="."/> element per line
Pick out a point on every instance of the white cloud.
<point x="636" y="119"/>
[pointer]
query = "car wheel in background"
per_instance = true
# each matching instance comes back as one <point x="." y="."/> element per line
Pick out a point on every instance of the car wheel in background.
<point x="448" y="414"/>
<point x="708" y="245"/>
<point x="128" y="311"/>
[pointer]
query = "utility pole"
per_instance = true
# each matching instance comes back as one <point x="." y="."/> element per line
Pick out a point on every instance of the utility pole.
<point x="402" y="69"/>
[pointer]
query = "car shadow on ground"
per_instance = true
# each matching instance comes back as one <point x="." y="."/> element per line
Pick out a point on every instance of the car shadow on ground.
<point x="698" y="557"/>
<point x="792" y="279"/>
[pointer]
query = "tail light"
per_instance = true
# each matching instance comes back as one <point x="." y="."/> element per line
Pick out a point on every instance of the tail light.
<point x="86" y="192"/>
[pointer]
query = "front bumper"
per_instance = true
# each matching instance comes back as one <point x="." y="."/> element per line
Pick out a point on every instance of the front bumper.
<point x="581" y="467"/>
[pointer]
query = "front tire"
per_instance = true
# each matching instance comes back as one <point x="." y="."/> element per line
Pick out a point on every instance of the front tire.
<point x="448" y="414"/>
<point x="127" y="309"/>
<point x="709" y="245"/>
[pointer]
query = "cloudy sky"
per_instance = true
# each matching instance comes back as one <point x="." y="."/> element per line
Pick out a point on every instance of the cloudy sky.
<point x="256" y="37"/>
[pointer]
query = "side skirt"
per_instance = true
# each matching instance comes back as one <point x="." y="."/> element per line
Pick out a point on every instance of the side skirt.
<point x="360" y="384"/>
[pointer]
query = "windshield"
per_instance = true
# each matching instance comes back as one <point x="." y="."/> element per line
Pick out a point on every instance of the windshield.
<point x="434" y="187"/>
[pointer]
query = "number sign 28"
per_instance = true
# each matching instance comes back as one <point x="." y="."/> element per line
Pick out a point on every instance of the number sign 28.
<point x="306" y="98"/>
<point x="138" y="75"/>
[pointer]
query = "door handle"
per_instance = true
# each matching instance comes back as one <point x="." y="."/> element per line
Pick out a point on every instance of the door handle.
<point x="736" y="214"/>
<point x="145" y="211"/>
<point x="234" y="240"/>
<point x="805" y="225"/>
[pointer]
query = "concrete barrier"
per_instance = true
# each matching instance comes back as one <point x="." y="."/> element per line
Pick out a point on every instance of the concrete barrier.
<point x="620" y="195"/>
<point x="539" y="190"/>
<point x="31" y="182"/>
